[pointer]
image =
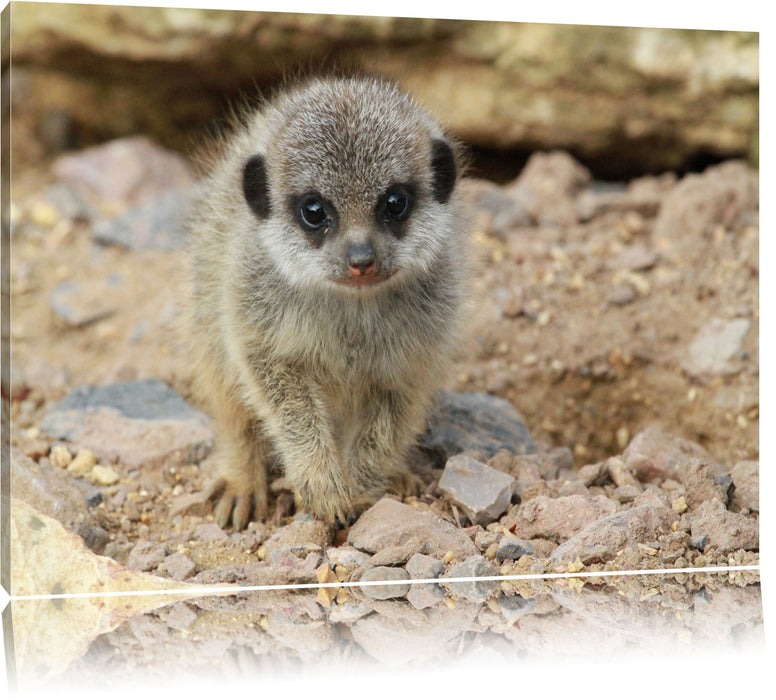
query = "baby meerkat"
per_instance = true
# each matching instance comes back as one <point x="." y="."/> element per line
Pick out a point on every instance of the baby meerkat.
<point x="328" y="271"/>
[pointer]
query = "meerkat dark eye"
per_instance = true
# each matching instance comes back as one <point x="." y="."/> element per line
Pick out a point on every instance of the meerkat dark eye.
<point x="395" y="205"/>
<point x="312" y="213"/>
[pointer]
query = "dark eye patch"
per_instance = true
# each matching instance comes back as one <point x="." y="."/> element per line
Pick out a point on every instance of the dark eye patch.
<point x="444" y="168"/>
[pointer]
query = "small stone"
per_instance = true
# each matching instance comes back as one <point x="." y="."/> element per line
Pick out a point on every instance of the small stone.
<point x="399" y="554"/>
<point x="421" y="566"/>
<point x="725" y="530"/>
<point x="477" y="421"/>
<point x="104" y="475"/>
<point x="347" y="556"/>
<point x="147" y="556"/>
<point x="512" y="547"/>
<point x="386" y="591"/>
<point x="482" y="492"/>
<point x="181" y="616"/>
<point x="679" y="505"/>
<point x="179" y="566"/>
<point x="515" y="606"/>
<point x="298" y="539"/>
<point x="654" y="455"/>
<point x="83" y="463"/>
<point x="716" y="349"/>
<point x="424" y="595"/>
<point x="700" y="483"/>
<point x="558" y="518"/>
<point x="476" y="568"/>
<point x="630" y="527"/>
<point x="622" y="295"/>
<point x="699" y="542"/>
<point x="60" y="456"/>
<point x="390" y="523"/>
<point x="746" y="478"/>
<point x="209" y="532"/>
<point x="196" y="504"/>
<point x="636" y="257"/>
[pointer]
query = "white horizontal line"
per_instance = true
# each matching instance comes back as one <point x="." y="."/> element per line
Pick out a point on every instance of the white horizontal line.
<point x="227" y="589"/>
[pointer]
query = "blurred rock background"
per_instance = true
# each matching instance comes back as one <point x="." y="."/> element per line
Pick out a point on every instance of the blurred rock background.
<point x="623" y="101"/>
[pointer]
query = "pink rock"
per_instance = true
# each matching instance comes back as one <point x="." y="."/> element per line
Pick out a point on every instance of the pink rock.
<point x="559" y="518"/>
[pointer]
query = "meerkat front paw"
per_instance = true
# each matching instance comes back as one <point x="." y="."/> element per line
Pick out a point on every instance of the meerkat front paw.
<point x="237" y="503"/>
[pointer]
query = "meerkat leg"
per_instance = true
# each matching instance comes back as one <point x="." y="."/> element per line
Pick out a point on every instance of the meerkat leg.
<point x="297" y="420"/>
<point x="377" y="456"/>
<point x="242" y="459"/>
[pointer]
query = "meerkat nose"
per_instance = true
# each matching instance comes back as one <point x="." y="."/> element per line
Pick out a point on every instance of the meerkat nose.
<point x="361" y="260"/>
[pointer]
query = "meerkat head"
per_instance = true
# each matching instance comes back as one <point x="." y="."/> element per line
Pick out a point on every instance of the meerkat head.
<point x="349" y="184"/>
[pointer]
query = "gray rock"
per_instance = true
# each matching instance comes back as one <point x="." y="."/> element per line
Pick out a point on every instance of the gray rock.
<point x="511" y="547"/>
<point x="130" y="169"/>
<point x="482" y="492"/>
<point x="654" y="455"/>
<point x="298" y="538"/>
<point x="603" y="538"/>
<point x="725" y="530"/>
<point x="133" y="423"/>
<point x="636" y="257"/>
<point x="515" y="606"/>
<point x="424" y="595"/>
<point x="622" y="295"/>
<point x="479" y="422"/>
<point x="147" y="556"/>
<point x="60" y="496"/>
<point x="181" y="616"/>
<point x="478" y="588"/>
<point x="421" y="566"/>
<point x="390" y="523"/>
<point x="746" y="477"/>
<point x="716" y="349"/>
<point x="179" y="566"/>
<point x="158" y="224"/>
<point x="70" y="203"/>
<point x="386" y="590"/>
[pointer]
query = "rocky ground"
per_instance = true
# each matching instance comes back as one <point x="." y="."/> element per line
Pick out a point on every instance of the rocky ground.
<point x="620" y="320"/>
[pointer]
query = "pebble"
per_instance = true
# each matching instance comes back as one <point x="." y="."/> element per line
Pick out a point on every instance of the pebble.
<point x="515" y="606"/>
<point x="483" y="493"/>
<point x="82" y="463"/>
<point x="422" y="566"/>
<point x="179" y="566"/>
<point x="209" y="532"/>
<point x="621" y="295"/>
<point x="147" y="555"/>
<point x="746" y="477"/>
<point x="424" y="595"/>
<point x="716" y="349"/>
<point x="476" y="590"/>
<point x="60" y="456"/>
<point x="725" y="530"/>
<point x="390" y="523"/>
<point x="104" y="475"/>
<point x="298" y="538"/>
<point x="476" y="422"/>
<point x="631" y="527"/>
<point x="700" y="483"/>
<point x="181" y="616"/>
<point x="511" y="547"/>
<point x="388" y="590"/>
<point x="558" y="518"/>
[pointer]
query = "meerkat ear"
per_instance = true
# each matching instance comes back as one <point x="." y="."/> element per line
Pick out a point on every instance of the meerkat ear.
<point x="256" y="187"/>
<point x="444" y="168"/>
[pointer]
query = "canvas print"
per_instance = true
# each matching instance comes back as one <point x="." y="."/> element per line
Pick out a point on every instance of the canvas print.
<point x="387" y="337"/>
